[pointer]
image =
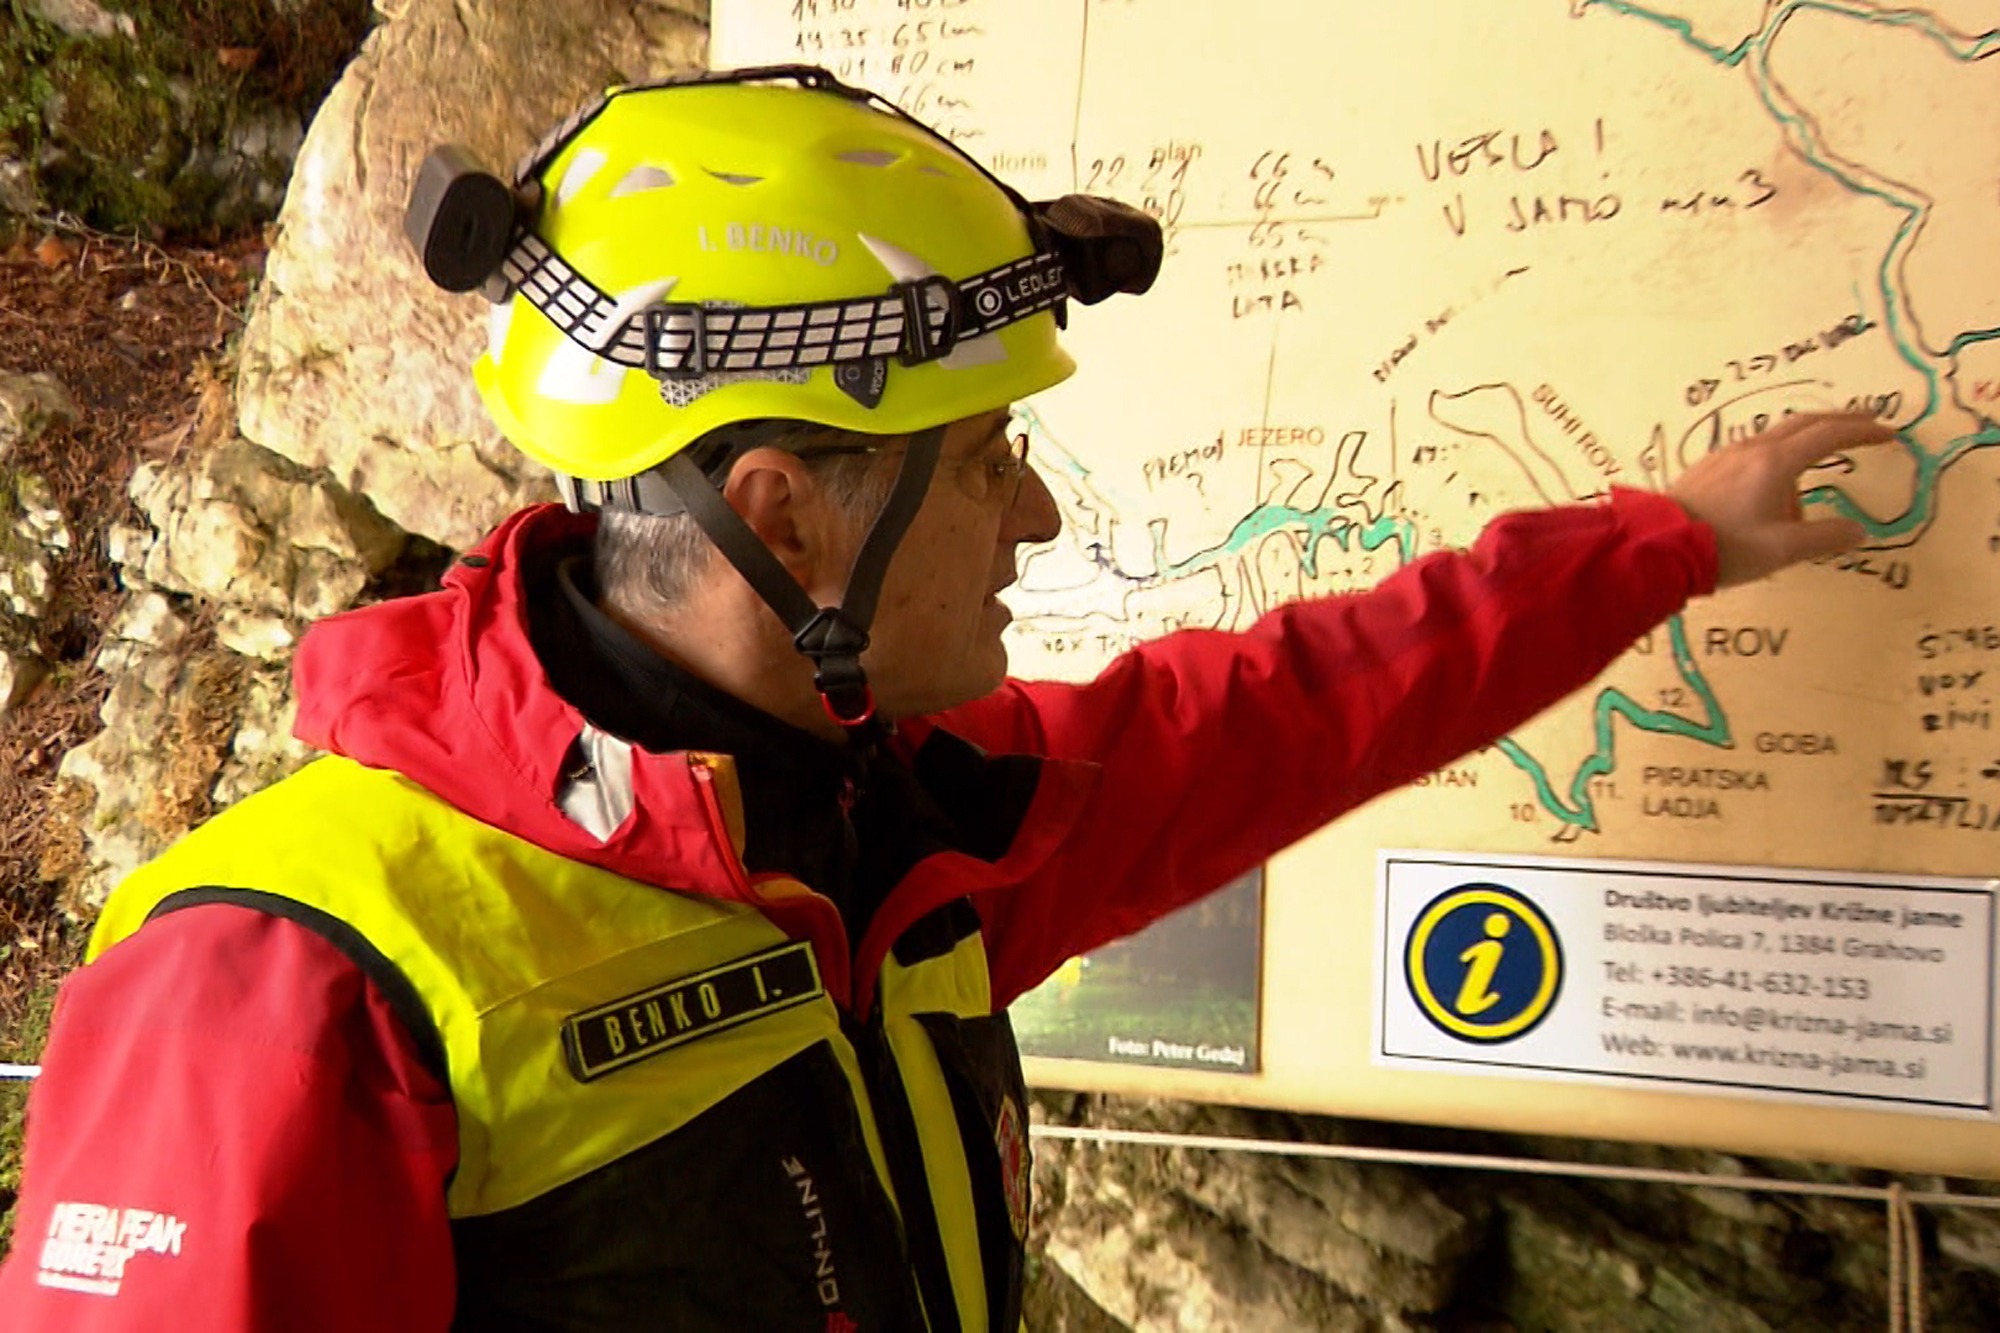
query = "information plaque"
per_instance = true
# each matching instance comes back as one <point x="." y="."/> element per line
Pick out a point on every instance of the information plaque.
<point x="1875" y="989"/>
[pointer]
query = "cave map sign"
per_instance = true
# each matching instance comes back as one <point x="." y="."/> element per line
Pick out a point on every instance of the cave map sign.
<point x="1483" y="963"/>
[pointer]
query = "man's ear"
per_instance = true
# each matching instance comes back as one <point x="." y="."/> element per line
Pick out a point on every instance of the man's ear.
<point x="777" y="497"/>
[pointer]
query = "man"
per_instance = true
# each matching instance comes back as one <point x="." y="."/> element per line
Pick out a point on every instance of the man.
<point x="640" y="959"/>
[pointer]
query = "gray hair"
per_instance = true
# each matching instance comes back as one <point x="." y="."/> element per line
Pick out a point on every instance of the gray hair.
<point x="645" y="563"/>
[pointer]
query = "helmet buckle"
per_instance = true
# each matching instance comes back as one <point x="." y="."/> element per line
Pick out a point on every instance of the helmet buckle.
<point x="835" y="643"/>
<point x="658" y="318"/>
<point x="831" y="634"/>
<point x="919" y="344"/>
<point x="853" y="708"/>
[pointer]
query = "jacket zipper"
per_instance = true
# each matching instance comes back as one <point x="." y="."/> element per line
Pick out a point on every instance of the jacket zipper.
<point x="895" y="1118"/>
<point x="827" y="934"/>
<point x="923" y="1240"/>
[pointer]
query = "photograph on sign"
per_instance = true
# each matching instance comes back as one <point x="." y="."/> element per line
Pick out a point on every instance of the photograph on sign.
<point x="1181" y="994"/>
<point x="1827" y="987"/>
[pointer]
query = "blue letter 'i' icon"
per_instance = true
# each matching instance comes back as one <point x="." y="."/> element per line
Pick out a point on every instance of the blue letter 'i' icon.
<point x="1483" y="963"/>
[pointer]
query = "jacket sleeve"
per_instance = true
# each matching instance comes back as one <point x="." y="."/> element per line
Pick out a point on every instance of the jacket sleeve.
<point x="1219" y="749"/>
<point x="232" y="1132"/>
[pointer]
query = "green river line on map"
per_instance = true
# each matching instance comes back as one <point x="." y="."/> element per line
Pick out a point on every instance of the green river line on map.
<point x="1578" y="812"/>
<point x="1930" y="466"/>
<point x="1576" y="807"/>
<point x="1263" y="521"/>
<point x="1314" y="524"/>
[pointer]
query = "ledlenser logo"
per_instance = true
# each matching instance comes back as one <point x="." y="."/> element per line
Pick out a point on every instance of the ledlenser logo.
<point x="1483" y="963"/>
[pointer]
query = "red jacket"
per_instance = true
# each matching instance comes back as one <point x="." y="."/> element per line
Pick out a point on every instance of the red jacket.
<point x="228" y="1074"/>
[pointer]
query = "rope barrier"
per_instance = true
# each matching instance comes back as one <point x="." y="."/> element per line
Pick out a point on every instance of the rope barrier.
<point x="1906" y="1273"/>
<point x="1906" y="1265"/>
<point x="1906" y="1269"/>
<point x="1518" y="1165"/>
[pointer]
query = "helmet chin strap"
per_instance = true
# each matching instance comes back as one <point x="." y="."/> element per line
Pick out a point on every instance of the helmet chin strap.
<point x="833" y="637"/>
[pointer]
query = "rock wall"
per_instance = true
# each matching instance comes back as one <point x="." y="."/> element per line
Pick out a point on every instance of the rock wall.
<point x="33" y="531"/>
<point x="353" y="362"/>
<point x="354" y="450"/>
<point x="156" y="114"/>
<point x="1175" y="1240"/>
<point x="354" y="457"/>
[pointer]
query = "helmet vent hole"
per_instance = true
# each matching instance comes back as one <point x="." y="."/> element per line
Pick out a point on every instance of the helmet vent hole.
<point x="582" y="167"/>
<point x="869" y="157"/>
<point x="731" y="178"/>
<point x="936" y="171"/>
<point x="640" y="179"/>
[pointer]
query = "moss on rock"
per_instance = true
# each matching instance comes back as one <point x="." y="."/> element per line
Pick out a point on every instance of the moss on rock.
<point x="147" y="131"/>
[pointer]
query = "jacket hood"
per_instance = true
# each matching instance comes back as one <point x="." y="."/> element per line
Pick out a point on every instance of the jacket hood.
<point x="445" y="689"/>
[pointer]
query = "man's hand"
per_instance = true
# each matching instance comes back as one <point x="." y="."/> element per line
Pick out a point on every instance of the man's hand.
<point x="1749" y="493"/>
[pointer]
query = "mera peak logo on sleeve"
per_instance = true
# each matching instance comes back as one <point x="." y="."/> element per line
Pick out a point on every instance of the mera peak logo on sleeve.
<point x="88" y="1245"/>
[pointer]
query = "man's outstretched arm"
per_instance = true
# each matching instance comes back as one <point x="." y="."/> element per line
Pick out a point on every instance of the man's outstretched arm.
<point x="1216" y="749"/>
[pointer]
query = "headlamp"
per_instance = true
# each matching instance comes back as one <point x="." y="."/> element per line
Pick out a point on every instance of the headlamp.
<point x="461" y="219"/>
<point x="464" y="220"/>
<point x="1105" y="246"/>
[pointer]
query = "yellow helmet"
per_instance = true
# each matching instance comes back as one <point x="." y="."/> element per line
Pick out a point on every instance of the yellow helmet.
<point x="708" y="253"/>
<point x="758" y="245"/>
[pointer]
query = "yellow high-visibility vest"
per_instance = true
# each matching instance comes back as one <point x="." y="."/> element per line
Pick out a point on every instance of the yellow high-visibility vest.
<point x="581" y="1018"/>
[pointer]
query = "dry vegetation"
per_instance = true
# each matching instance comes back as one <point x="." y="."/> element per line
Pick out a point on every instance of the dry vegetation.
<point x="138" y="333"/>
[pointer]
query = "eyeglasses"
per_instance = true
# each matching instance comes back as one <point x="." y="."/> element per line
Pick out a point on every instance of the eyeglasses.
<point x="1007" y="473"/>
<point x="1001" y="474"/>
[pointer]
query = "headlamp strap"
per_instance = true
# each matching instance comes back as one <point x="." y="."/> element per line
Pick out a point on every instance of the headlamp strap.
<point x="646" y="493"/>
<point x="916" y="321"/>
<point x="834" y="637"/>
<point x="756" y="562"/>
<point x="906" y="497"/>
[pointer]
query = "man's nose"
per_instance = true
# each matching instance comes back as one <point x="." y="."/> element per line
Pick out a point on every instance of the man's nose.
<point x="1034" y="517"/>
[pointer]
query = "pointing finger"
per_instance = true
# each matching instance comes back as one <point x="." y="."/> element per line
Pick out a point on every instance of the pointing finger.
<point x="1820" y="435"/>
<point x="1825" y="536"/>
<point x="1789" y="425"/>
